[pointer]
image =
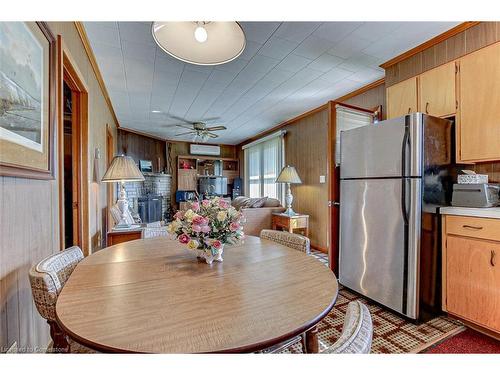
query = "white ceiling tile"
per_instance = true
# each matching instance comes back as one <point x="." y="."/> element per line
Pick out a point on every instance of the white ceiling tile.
<point x="349" y="46"/>
<point x="366" y="75"/>
<point x="259" y="31"/>
<point x="255" y="91"/>
<point x="373" y="31"/>
<point x="313" y="47"/>
<point x="336" y="31"/>
<point x="139" y="51"/>
<point x="325" y="62"/>
<point x="293" y="63"/>
<point x="296" y="31"/>
<point x="250" y="50"/>
<point x="277" y="48"/>
<point x="336" y="74"/>
<point x="105" y="35"/>
<point x="139" y="32"/>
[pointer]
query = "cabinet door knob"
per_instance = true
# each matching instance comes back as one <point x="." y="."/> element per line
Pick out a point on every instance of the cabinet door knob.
<point x="409" y="110"/>
<point x="427" y="107"/>
<point x="493" y="258"/>
<point x="471" y="227"/>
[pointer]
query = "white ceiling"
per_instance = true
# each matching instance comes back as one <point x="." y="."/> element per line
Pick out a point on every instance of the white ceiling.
<point x="286" y="69"/>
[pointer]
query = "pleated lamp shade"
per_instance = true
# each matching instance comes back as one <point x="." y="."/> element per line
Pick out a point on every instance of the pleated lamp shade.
<point x="289" y="175"/>
<point x="122" y="168"/>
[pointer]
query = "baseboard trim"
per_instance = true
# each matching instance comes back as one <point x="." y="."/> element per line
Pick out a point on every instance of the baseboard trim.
<point x="319" y="248"/>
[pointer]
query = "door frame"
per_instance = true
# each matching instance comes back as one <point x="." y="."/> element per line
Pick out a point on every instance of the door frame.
<point x="110" y="194"/>
<point x="333" y="181"/>
<point x="67" y="72"/>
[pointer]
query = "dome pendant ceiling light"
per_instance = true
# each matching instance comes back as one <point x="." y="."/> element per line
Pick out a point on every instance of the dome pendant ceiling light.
<point x="200" y="43"/>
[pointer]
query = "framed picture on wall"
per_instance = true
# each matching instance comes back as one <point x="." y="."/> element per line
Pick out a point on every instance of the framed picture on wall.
<point x="27" y="100"/>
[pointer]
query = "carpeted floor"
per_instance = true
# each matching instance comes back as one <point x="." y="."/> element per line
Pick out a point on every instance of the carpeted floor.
<point x="468" y="341"/>
<point x="391" y="333"/>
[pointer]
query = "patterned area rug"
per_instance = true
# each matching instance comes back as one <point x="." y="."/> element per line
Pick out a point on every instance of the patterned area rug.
<point x="391" y="333"/>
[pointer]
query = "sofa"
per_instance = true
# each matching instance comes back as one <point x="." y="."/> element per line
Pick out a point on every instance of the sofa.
<point x="258" y="213"/>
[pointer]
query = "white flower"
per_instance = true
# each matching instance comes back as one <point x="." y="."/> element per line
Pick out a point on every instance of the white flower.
<point x="221" y="215"/>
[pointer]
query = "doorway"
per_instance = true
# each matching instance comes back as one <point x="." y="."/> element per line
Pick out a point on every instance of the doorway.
<point x="71" y="168"/>
<point x="73" y="158"/>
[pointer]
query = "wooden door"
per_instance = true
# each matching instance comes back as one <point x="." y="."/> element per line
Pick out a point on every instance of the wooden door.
<point x="473" y="280"/>
<point x="437" y="91"/>
<point x="402" y="98"/>
<point x="479" y="109"/>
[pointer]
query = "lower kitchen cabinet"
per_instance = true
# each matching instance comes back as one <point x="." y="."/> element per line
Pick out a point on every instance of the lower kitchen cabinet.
<point x="471" y="272"/>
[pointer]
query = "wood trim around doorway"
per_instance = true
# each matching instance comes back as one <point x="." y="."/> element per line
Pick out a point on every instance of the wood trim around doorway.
<point x="67" y="72"/>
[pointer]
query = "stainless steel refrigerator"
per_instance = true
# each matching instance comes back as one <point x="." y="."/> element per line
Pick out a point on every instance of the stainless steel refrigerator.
<point x="393" y="177"/>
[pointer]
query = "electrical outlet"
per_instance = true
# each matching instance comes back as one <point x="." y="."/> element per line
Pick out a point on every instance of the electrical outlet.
<point x="322" y="179"/>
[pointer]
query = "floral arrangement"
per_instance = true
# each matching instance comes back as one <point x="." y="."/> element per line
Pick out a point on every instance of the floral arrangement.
<point x="207" y="226"/>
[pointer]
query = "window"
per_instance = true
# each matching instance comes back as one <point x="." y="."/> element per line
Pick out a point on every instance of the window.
<point x="263" y="163"/>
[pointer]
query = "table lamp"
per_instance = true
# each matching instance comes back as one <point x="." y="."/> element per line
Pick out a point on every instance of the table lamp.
<point x="122" y="169"/>
<point x="289" y="175"/>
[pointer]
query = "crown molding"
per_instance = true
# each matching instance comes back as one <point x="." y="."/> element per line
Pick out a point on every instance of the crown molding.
<point x="431" y="42"/>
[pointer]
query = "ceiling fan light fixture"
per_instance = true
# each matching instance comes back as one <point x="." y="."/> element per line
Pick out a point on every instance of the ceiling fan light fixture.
<point x="200" y="43"/>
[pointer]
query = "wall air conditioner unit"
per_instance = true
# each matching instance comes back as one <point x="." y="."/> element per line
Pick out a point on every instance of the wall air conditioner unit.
<point x="204" y="150"/>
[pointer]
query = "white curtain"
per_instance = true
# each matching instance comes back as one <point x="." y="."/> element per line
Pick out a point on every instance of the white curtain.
<point x="347" y="119"/>
<point x="263" y="163"/>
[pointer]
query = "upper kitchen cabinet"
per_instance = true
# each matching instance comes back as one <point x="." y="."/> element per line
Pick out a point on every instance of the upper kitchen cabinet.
<point x="437" y="91"/>
<point x="479" y="109"/>
<point x="402" y="98"/>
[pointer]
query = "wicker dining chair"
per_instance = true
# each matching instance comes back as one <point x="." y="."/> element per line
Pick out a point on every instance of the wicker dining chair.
<point x="47" y="279"/>
<point x="292" y="240"/>
<point x="357" y="332"/>
<point x="154" y="232"/>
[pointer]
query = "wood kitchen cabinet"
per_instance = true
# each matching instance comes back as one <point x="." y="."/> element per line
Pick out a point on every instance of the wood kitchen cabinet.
<point x="437" y="91"/>
<point x="471" y="272"/>
<point x="478" y="137"/>
<point x="402" y="98"/>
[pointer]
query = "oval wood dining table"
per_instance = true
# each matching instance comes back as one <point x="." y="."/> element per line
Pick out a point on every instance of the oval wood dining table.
<point x="155" y="296"/>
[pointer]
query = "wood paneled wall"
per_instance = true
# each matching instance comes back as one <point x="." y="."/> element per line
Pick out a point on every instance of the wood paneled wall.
<point x="141" y="147"/>
<point x="306" y="143"/>
<point x="470" y="40"/>
<point x="29" y="215"/>
<point x="467" y="41"/>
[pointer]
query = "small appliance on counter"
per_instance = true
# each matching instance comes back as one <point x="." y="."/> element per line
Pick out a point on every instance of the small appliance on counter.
<point x="476" y="195"/>
<point x="473" y="190"/>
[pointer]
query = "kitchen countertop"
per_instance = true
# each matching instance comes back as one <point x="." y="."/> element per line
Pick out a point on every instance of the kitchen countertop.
<point x="492" y="212"/>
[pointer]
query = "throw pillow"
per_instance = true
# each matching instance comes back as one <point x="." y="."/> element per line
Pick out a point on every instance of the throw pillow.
<point x="258" y="202"/>
<point x="272" y="202"/>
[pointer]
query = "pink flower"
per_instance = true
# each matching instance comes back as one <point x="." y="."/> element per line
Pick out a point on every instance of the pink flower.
<point x="196" y="228"/>
<point x="195" y="206"/>
<point x="205" y="203"/>
<point x="223" y="204"/>
<point x="179" y="215"/>
<point x="205" y="229"/>
<point x="217" y="244"/>
<point x="184" y="238"/>
<point x="234" y="226"/>
<point x="198" y="220"/>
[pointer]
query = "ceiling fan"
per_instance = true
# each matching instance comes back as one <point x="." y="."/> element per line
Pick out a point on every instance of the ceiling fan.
<point x="198" y="129"/>
<point x="201" y="130"/>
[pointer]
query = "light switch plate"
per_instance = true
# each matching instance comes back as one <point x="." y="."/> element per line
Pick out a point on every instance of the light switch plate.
<point x="322" y="179"/>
